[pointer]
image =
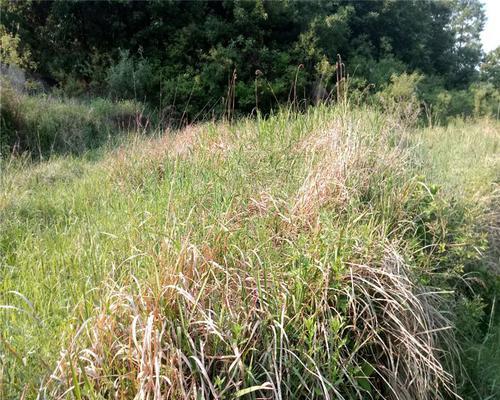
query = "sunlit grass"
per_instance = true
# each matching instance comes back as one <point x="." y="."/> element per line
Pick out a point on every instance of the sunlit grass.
<point x="258" y="258"/>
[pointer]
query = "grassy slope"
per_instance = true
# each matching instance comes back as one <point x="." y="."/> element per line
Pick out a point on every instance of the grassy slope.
<point x="265" y="201"/>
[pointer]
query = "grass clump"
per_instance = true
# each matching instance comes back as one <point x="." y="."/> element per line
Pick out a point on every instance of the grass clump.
<point x="43" y="125"/>
<point x="300" y="256"/>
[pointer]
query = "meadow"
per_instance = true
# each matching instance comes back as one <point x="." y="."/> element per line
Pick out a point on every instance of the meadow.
<point x="344" y="252"/>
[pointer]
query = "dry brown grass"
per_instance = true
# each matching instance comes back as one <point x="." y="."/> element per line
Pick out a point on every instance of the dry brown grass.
<point x="174" y="338"/>
<point x="146" y="339"/>
<point x="350" y="163"/>
<point x="401" y="326"/>
<point x="140" y="157"/>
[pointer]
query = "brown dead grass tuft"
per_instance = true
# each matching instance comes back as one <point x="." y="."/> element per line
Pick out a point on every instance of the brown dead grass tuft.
<point x="345" y="164"/>
<point x="401" y="326"/>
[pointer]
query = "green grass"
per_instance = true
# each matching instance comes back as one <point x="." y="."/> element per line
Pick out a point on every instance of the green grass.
<point x="44" y="125"/>
<point x="463" y="158"/>
<point x="237" y="260"/>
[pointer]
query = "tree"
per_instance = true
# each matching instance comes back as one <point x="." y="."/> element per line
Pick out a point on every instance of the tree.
<point x="11" y="52"/>
<point x="184" y="54"/>
<point x="490" y="68"/>
<point x="467" y="22"/>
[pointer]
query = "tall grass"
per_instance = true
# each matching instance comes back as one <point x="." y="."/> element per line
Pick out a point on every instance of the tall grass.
<point x="44" y="125"/>
<point x="463" y="159"/>
<point x="300" y="256"/>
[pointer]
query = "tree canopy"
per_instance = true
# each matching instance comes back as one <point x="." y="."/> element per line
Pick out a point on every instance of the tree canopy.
<point x="191" y="56"/>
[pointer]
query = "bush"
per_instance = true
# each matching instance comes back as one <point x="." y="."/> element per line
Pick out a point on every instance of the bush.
<point x="441" y="105"/>
<point x="131" y="79"/>
<point x="399" y="97"/>
<point x="486" y="99"/>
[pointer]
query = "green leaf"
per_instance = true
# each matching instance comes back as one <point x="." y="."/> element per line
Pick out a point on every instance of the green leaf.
<point x="251" y="389"/>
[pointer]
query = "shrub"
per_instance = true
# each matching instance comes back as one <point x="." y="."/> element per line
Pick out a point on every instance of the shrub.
<point x="486" y="99"/>
<point x="131" y="79"/>
<point x="441" y="105"/>
<point x="399" y="97"/>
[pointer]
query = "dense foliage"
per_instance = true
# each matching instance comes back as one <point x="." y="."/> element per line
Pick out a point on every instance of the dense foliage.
<point x="346" y="250"/>
<point x="198" y="59"/>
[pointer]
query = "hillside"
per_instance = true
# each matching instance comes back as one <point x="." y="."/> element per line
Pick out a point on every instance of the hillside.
<point x="339" y="253"/>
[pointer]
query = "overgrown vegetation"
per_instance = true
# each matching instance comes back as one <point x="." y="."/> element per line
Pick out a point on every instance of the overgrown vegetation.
<point x="307" y="256"/>
<point x="273" y="249"/>
<point x="193" y="60"/>
<point x="43" y="125"/>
